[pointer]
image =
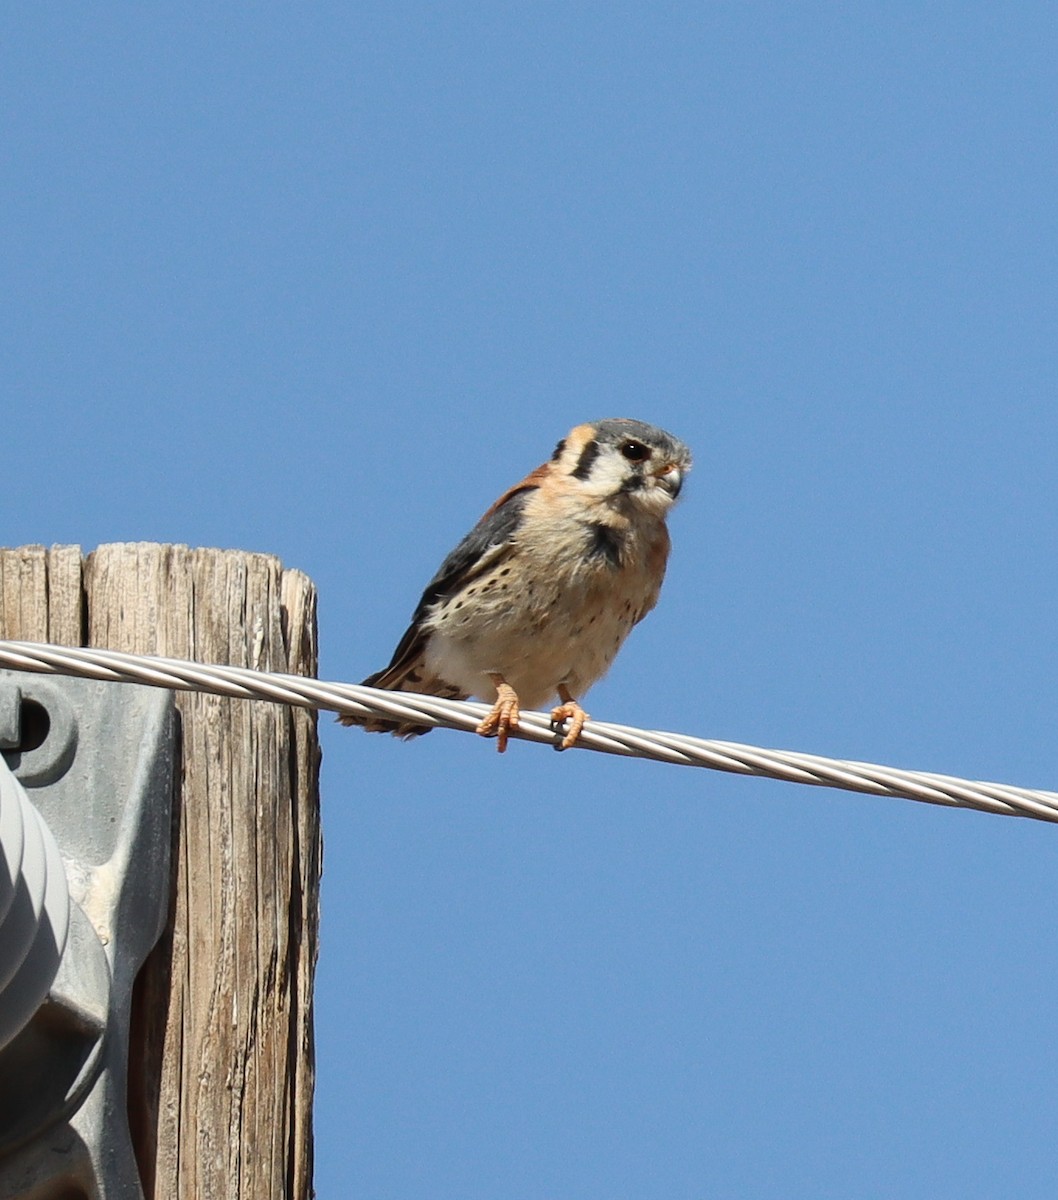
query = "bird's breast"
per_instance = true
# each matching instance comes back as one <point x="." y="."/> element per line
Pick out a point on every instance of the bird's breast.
<point x="553" y="610"/>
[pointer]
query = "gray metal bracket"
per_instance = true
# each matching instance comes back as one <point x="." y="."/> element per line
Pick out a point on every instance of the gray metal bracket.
<point x="97" y="762"/>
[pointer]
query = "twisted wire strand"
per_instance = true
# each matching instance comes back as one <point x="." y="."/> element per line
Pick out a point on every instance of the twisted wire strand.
<point x="678" y="748"/>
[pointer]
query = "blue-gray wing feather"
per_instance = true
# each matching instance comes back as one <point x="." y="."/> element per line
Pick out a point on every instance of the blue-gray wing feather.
<point x="481" y="549"/>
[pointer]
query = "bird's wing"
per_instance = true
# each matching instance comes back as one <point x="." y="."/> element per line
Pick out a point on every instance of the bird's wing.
<point x="486" y="544"/>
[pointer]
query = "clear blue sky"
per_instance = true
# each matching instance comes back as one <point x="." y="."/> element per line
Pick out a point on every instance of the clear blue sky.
<point x="323" y="280"/>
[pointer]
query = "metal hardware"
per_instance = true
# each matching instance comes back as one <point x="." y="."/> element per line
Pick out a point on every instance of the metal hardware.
<point x="88" y="772"/>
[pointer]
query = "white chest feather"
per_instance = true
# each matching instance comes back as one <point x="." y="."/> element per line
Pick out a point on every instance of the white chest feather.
<point x="553" y="609"/>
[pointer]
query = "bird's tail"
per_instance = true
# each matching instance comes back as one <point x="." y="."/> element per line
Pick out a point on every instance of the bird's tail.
<point x="409" y="680"/>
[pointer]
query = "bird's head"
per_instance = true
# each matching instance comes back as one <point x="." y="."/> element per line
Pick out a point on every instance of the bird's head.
<point x="626" y="462"/>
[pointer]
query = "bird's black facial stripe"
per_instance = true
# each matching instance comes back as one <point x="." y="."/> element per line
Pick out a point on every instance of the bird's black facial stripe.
<point x="633" y="483"/>
<point x="587" y="456"/>
<point x="558" y="450"/>
<point x="606" y="543"/>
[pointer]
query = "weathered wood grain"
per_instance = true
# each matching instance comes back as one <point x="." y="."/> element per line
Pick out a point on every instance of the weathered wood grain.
<point x="223" y="1073"/>
<point x="41" y="597"/>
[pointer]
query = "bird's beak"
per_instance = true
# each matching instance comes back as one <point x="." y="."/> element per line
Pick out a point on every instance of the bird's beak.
<point x="670" y="477"/>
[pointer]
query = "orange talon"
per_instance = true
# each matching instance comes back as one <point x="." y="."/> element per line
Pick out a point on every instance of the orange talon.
<point x="569" y="710"/>
<point x="504" y="716"/>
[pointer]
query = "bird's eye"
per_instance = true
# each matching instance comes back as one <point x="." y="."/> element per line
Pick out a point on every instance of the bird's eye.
<point x="635" y="451"/>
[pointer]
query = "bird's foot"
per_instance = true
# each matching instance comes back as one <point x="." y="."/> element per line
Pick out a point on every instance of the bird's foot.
<point x="504" y="716"/>
<point x="569" y="710"/>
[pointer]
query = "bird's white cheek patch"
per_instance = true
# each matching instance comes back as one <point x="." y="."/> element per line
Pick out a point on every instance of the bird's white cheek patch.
<point x="656" y="499"/>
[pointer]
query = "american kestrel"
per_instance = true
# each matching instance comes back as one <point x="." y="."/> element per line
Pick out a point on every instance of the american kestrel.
<point x="536" y="600"/>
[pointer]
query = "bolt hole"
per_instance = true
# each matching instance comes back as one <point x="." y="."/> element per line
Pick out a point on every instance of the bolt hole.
<point x="34" y="725"/>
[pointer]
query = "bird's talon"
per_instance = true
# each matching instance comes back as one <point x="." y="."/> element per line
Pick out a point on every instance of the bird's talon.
<point x="504" y="716"/>
<point x="571" y="711"/>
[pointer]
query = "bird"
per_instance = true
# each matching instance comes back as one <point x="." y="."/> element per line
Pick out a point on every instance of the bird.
<point x="535" y="602"/>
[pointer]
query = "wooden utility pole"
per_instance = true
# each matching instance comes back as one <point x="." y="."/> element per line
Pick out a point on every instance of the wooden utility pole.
<point x="221" y="1063"/>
